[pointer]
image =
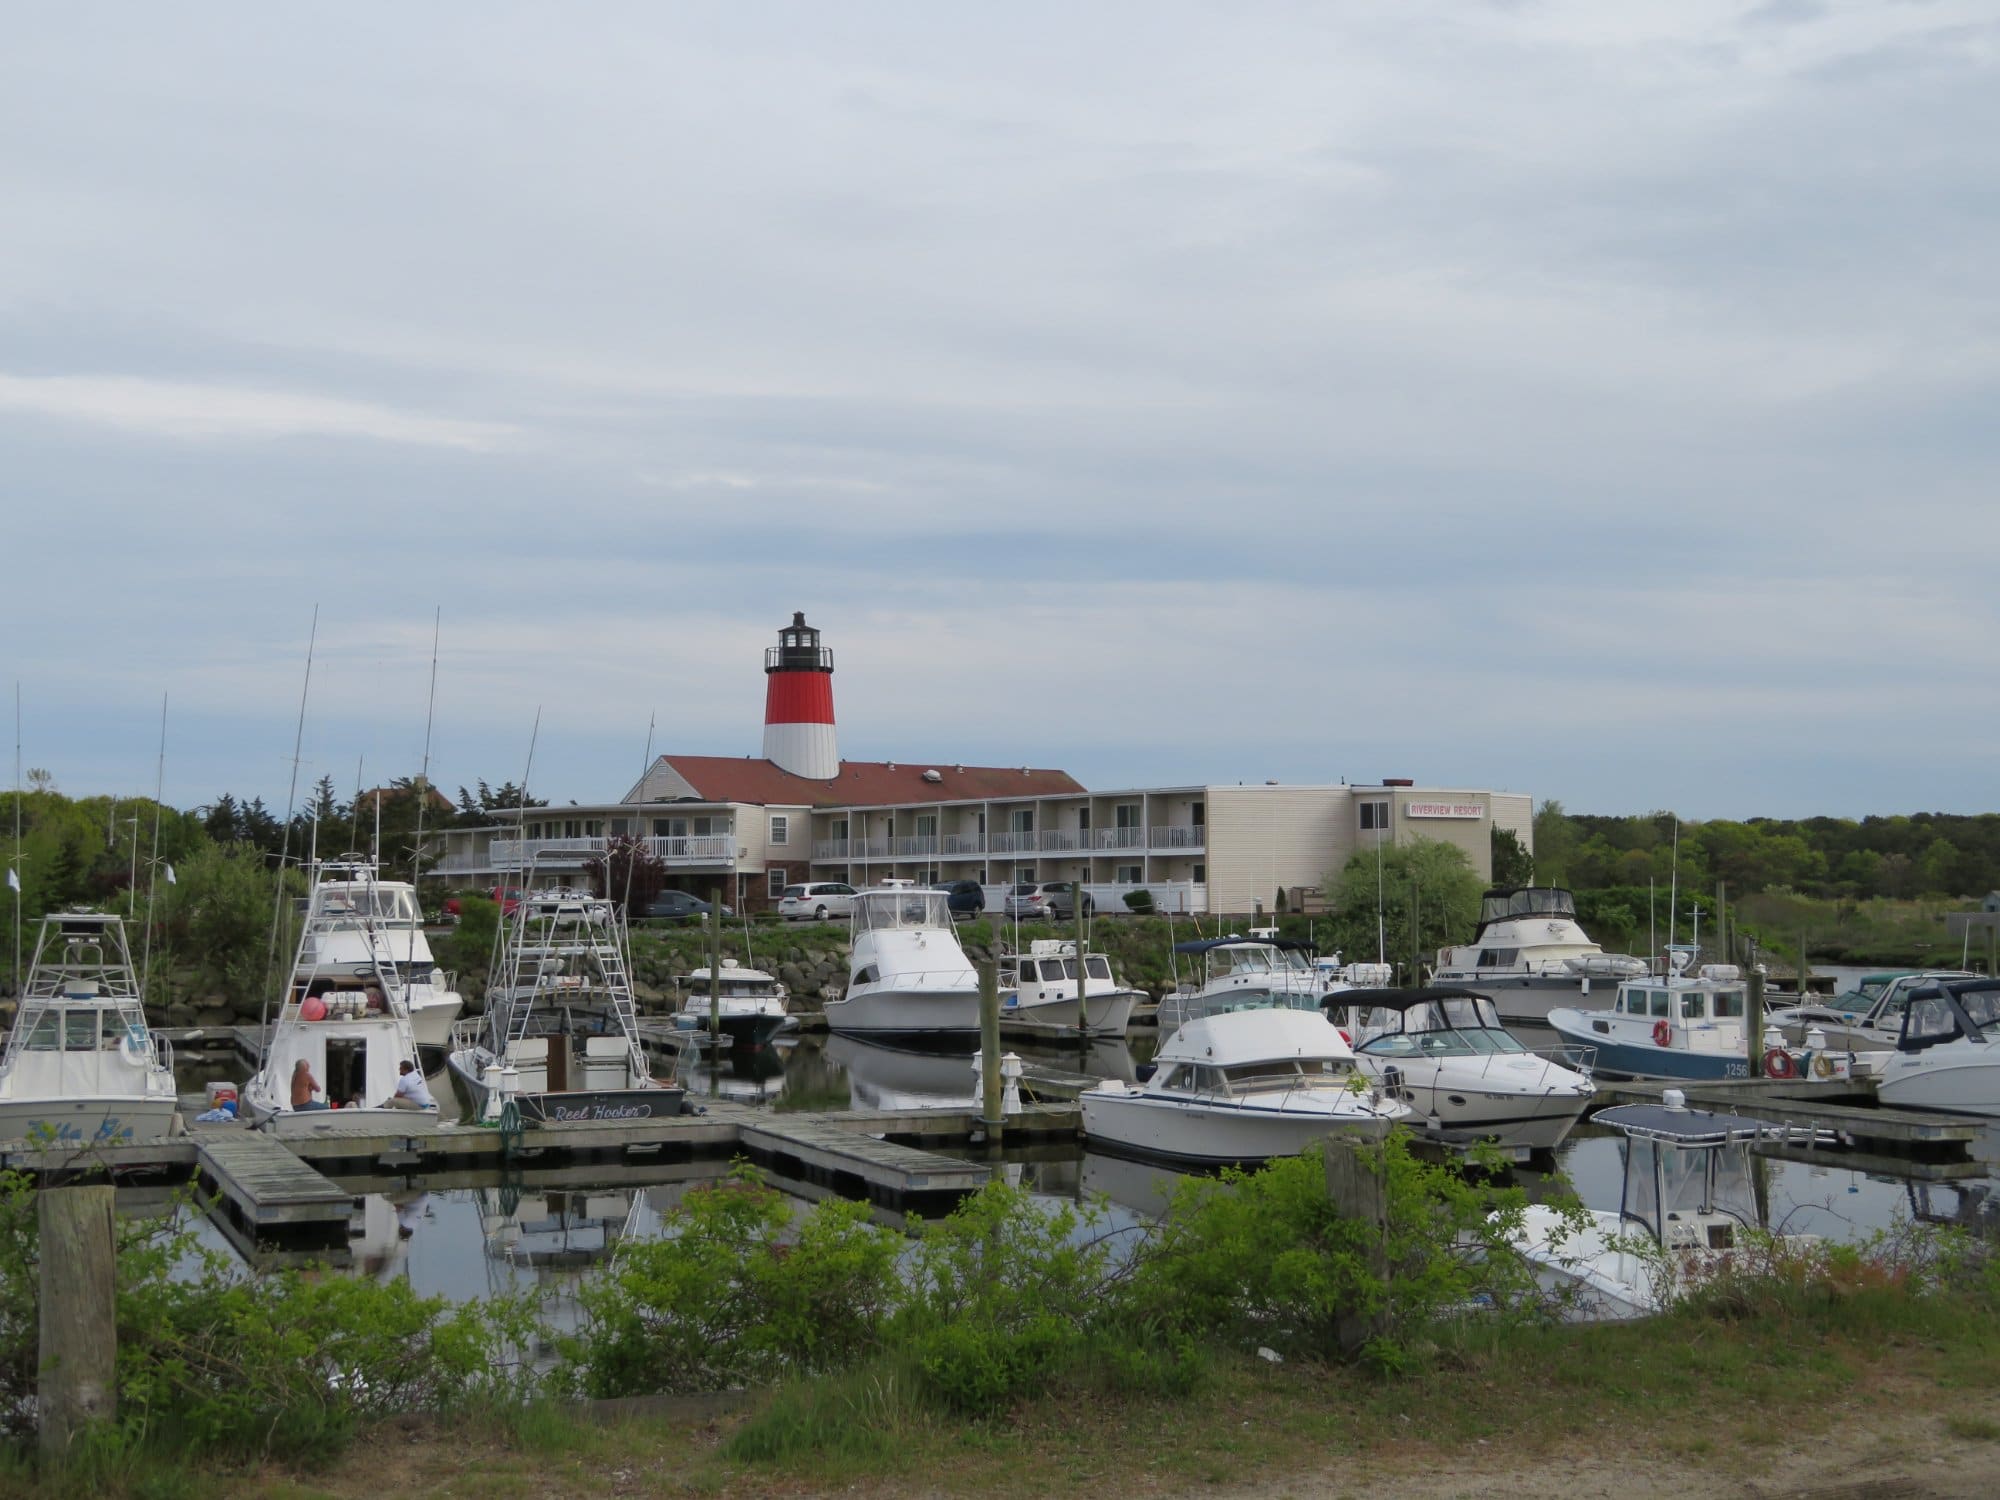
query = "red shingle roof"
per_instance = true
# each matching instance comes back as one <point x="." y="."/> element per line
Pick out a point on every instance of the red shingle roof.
<point x="720" y="778"/>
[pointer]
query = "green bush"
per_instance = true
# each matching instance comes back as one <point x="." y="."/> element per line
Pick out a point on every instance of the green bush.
<point x="1140" y="901"/>
<point x="726" y="1298"/>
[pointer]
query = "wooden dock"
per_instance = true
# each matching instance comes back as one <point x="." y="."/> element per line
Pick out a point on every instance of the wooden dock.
<point x="265" y="1192"/>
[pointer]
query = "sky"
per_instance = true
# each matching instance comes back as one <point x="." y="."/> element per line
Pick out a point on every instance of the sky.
<point x="1590" y="401"/>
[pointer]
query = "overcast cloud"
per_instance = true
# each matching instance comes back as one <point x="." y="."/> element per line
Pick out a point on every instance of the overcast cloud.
<point x="1595" y="401"/>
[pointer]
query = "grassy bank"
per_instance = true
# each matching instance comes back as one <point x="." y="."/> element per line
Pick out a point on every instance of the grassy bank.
<point x="1704" y="1397"/>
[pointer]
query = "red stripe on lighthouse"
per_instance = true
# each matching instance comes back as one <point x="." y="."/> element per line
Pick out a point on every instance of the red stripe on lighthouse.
<point x="798" y="698"/>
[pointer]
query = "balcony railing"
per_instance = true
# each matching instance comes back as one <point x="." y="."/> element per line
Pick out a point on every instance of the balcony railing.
<point x="1175" y="837"/>
<point x="701" y="849"/>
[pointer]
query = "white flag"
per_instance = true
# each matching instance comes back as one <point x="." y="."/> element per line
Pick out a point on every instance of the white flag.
<point x="170" y="876"/>
<point x="13" y="881"/>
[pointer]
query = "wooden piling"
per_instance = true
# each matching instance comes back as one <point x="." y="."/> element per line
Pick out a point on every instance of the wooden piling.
<point x="992" y="1109"/>
<point x="1355" y="1186"/>
<point x="715" y="964"/>
<point x="1753" y="1022"/>
<point x="79" y="1327"/>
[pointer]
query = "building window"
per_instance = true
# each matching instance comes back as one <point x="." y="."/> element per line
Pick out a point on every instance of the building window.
<point x="1129" y="875"/>
<point x="1198" y="814"/>
<point x="781" y="827"/>
<point x="1125" y="815"/>
<point x="774" y="881"/>
<point x="1025" y="874"/>
<point x="572" y="828"/>
<point x="1374" y="816"/>
<point x="1021" y="820"/>
<point x="594" y="827"/>
<point x="1083" y="819"/>
<point x="1200" y="875"/>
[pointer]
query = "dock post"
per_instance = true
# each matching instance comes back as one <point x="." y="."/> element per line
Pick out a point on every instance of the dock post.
<point x="1356" y="1190"/>
<point x="1753" y="1022"/>
<point x="1082" y="984"/>
<point x="992" y="1112"/>
<point x="77" y="1374"/>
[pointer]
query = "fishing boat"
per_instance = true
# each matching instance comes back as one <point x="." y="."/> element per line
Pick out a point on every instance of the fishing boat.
<point x="1261" y="969"/>
<point x="372" y="929"/>
<point x="343" y="1031"/>
<point x="81" y="1067"/>
<point x="1443" y="1052"/>
<point x="1681" y="1026"/>
<point x="1947" y="1055"/>
<point x="1040" y="986"/>
<point x="1530" y="955"/>
<point x="908" y="979"/>
<point x="560" y="1037"/>
<point x="1241" y="1085"/>
<point x="1687" y="1208"/>
<point x="746" y="1005"/>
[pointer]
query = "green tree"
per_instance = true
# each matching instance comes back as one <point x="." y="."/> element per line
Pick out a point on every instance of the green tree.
<point x="1555" y="844"/>
<point x="1425" y="894"/>
<point x="1512" y="865"/>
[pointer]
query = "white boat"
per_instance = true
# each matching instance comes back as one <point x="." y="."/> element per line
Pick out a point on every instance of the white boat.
<point x="344" y="1013"/>
<point x="1040" y="986"/>
<point x="1261" y="969"/>
<point x="1241" y="1086"/>
<point x="560" y="1037"/>
<point x="372" y="929"/>
<point x="1687" y="1206"/>
<point x="1443" y="1052"/>
<point x="1867" y="1018"/>
<point x="81" y="1068"/>
<point x="908" y="979"/>
<point x="747" y="1005"/>
<point x="1529" y="955"/>
<point x="1948" y="1053"/>
<point x="1679" y="1027"/>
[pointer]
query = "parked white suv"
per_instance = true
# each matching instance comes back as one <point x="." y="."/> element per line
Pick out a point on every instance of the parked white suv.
<point x="819" y="901"/>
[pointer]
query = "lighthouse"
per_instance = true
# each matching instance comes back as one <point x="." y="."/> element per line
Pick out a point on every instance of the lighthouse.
<point x="798" y="704"/>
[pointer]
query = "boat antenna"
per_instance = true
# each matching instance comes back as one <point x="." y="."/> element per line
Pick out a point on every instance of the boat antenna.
<point x="354" y="812"/>
<point x="1673" y="894"/>
<point x="1652" y="922"/>
<point x="520" y="831"/>
<point x="1381" y="929"/>
<point x="285" y="846"/>
<point x="14" y="871"/>
<point x="153" y="864"/>
<point x="631" y="854"/>
<point x="423" y="802"/>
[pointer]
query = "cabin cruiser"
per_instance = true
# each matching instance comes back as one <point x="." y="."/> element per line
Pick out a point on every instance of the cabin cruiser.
<point x="80" y="1067"/>
<point x="1262" y="969"/>
<point x="1868" y="1017"/>
<point x="1040" y="985"/>
<point x="372" y="929"/>
<point x="343" y="1028"/>
<point x="747" y="1005"/>
<point x="1241" y="1086"/>
<point x="1689" y="1202"/>
<point x="1530" y="955"/>
<point x="1443" y="1052"/>
<point x="1677" y="1026"/>
<point x="908" y="979"/>
<point x="1948" y="1053"/>
<point x="560" y="1037"/>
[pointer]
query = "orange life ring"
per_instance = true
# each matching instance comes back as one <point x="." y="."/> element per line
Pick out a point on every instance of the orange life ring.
<point x="1663" y="1034"/>
<point x="1778" y="1064"/>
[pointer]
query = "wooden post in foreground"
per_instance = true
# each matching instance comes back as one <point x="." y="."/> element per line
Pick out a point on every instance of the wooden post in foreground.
<point x="1355" y="1187"/>
<point x="77" y="1372"/>
<point x="715" y="964"/>
<point x="992" y="1114"/>
<point x="1753" y="1022"/>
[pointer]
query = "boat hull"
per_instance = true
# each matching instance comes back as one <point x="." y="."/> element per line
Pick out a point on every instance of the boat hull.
<point x="566" y="1106"/>
<point x="909" y="1014"/>
<point x="1920" y="1081"/>
<point x="101" y="1120"/>
<point x="1644" y="1060"/>
<point x="1203" y="1131"/>
<point x="1106" y="1015"/>
<point x="1530" y="997"/>
<point x="431" y="1020"/>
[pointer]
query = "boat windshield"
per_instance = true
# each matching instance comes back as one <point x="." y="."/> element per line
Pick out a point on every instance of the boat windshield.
<point x="1533" y="901"/>
<point x="1286" y="1073"/>
<point x="882" y="911"/>
<point x="363" y="902"/>
<point x="1256" y="959"/>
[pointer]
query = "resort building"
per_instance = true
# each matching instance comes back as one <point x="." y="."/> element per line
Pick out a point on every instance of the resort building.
<point x="753" y="826"/>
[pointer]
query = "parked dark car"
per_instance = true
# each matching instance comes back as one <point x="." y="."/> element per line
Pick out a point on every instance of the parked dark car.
<point x="678" y="906"/>
<point x="966" y="898"/>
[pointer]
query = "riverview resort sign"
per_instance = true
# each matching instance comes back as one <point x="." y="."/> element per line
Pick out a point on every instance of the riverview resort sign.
<point x="1443" y="810"/>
